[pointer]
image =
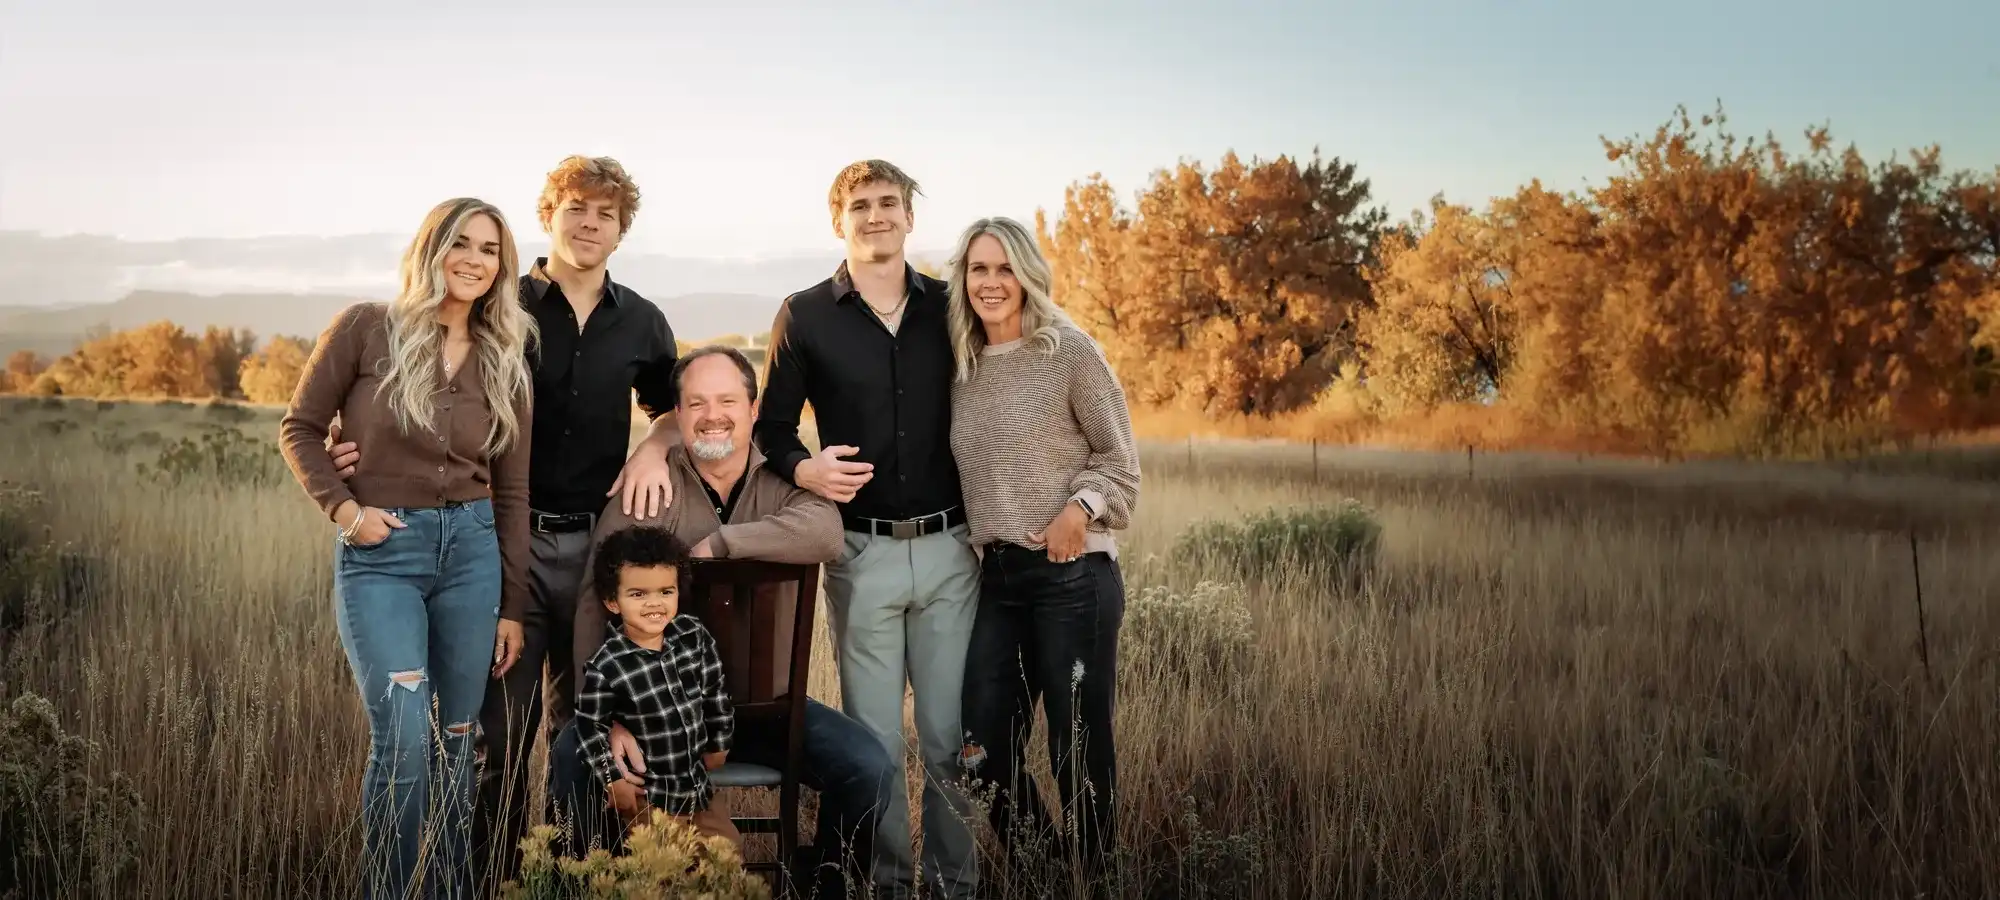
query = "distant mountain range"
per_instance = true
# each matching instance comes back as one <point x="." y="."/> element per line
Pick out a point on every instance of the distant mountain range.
<point x="53" y="331"/>
<point x="55" y="289"/>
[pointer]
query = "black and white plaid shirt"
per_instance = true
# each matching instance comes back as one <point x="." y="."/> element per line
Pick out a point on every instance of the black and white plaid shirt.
<point x="671" y="699"/>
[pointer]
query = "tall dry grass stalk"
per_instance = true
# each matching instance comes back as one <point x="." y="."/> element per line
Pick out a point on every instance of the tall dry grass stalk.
<point x="1601" y="680"/>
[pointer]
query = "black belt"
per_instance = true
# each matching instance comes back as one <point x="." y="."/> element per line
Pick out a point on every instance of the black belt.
<point x="550" y="523"/>
<point x="905" y="529"/>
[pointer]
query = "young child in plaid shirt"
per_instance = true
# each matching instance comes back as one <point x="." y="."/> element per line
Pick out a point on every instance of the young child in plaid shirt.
<point x="659" y="673"/>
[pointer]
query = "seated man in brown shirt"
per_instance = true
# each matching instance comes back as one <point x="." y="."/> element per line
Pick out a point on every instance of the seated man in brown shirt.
<point x="728" y="505"/>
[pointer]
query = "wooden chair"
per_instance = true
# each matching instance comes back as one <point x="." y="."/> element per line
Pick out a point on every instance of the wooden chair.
<point x="764" y="634"/>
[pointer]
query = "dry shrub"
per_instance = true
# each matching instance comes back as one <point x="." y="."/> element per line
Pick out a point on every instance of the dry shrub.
<point x="63" y="830"/>
<point x="1340" y="538"/>
<point x="663" y="858"/>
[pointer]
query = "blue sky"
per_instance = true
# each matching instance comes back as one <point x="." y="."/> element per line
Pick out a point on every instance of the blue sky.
<point x="244" y="119"/>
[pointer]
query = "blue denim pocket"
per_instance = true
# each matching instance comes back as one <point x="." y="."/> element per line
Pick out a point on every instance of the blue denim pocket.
<point x="380" y="552"/>
<point x="356" y="547"/>
<point x="481" y="512"/>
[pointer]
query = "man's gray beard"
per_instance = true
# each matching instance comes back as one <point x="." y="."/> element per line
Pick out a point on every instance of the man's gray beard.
<point x="710" y="451"/>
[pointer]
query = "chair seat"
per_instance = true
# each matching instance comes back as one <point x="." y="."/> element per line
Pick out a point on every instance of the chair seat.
<point x="743" y="775"/>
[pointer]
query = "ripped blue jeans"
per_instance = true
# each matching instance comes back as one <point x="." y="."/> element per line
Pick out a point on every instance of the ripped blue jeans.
<point x="417" y="614"/>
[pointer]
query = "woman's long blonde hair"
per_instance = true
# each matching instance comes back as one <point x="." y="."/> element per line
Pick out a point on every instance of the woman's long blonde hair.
<point x="501" y="330"/>
<point x="1039" y="313"/>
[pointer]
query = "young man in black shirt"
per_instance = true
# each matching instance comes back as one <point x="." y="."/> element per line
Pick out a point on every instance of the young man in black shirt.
<point x="599" y="344"/>
<point x="869" y="349"/>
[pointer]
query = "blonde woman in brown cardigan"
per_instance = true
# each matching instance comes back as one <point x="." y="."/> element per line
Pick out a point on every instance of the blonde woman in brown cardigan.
<point x="431" y="531"/>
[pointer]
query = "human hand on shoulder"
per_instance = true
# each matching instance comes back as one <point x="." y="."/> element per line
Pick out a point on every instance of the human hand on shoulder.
<point x="646" y="483"/>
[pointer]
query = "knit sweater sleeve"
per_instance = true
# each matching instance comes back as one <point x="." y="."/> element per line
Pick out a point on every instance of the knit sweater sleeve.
<point x="1109" y="481"/>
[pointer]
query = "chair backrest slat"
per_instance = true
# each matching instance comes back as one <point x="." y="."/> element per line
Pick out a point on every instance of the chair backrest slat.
<point x="761" y="615"/>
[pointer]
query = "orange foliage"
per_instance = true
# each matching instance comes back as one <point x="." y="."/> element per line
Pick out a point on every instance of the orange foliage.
<point x="1228" y="291"/>
<point x="1716" y="294"/>
<point x="23" y="367"/>
<point x="272" y="374"/>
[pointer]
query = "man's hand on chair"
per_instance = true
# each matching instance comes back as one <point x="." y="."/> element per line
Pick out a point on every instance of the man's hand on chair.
<point x="715" y="760"/>
<point x="625" y="754"/>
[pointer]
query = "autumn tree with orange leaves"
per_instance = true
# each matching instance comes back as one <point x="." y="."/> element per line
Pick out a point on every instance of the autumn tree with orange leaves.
<point x="23" y="367"/>
<point x="1233" y="290"/>
<point x="1716" y="294"/>
<point x="157" y="360"/>
<point x="271" y="375"/>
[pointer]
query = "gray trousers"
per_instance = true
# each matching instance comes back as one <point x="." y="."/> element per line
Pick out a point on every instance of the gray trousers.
<point x="513" y="715"/>
<point x="903" y="609"/>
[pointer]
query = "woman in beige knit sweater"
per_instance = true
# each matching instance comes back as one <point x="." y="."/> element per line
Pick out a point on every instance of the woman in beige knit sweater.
<point x="1049" y="468"/>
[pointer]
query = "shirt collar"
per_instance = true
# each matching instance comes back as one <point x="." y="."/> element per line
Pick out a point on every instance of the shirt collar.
<point x="843" y="283"/>
<point x="539" y="282"/>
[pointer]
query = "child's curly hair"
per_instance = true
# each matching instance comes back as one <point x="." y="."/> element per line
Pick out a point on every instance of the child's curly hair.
<point x="639" y="546"/>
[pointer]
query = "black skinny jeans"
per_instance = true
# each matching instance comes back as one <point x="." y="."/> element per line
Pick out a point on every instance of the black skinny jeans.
<point x="1046" y="632"/>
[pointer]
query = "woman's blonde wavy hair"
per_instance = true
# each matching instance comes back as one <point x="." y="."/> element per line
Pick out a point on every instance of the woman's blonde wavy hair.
<point x="1039" y="313"/>
<point x="501" y="330"/>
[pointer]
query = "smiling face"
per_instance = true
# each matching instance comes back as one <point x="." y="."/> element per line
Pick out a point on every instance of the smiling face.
<point x="874" y="221"/>
<point x="584" y="230"/>
<point x="716" y="410"/>
<point x="992" y="289"/>
<point x="473" y="259"/>
<point x="648" y="598"/>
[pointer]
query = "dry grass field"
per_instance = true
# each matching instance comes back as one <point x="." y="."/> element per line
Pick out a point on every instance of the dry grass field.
<point x="1547" y="677"/>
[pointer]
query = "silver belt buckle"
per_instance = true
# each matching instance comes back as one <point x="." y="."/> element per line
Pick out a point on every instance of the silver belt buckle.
<point x="906" y="529"/>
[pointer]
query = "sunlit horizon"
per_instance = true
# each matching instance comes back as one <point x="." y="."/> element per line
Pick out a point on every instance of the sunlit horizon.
<point x="225" y="121"/>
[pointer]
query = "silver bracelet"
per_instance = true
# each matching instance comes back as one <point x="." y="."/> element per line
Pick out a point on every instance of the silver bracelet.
<point x="347" y="534"/>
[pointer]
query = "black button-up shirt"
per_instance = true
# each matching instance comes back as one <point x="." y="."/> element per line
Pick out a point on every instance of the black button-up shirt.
<point x="584" y="384"/>
<point x="887" y="394"/>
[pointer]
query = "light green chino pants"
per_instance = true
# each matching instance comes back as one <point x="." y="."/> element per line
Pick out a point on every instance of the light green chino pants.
<point x="903" y="609"/>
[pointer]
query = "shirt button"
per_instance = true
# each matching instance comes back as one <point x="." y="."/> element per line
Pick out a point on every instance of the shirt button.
<point x="440" y="468"/>
<point x="440" y="439"/>
<point x="454" y="389"/>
